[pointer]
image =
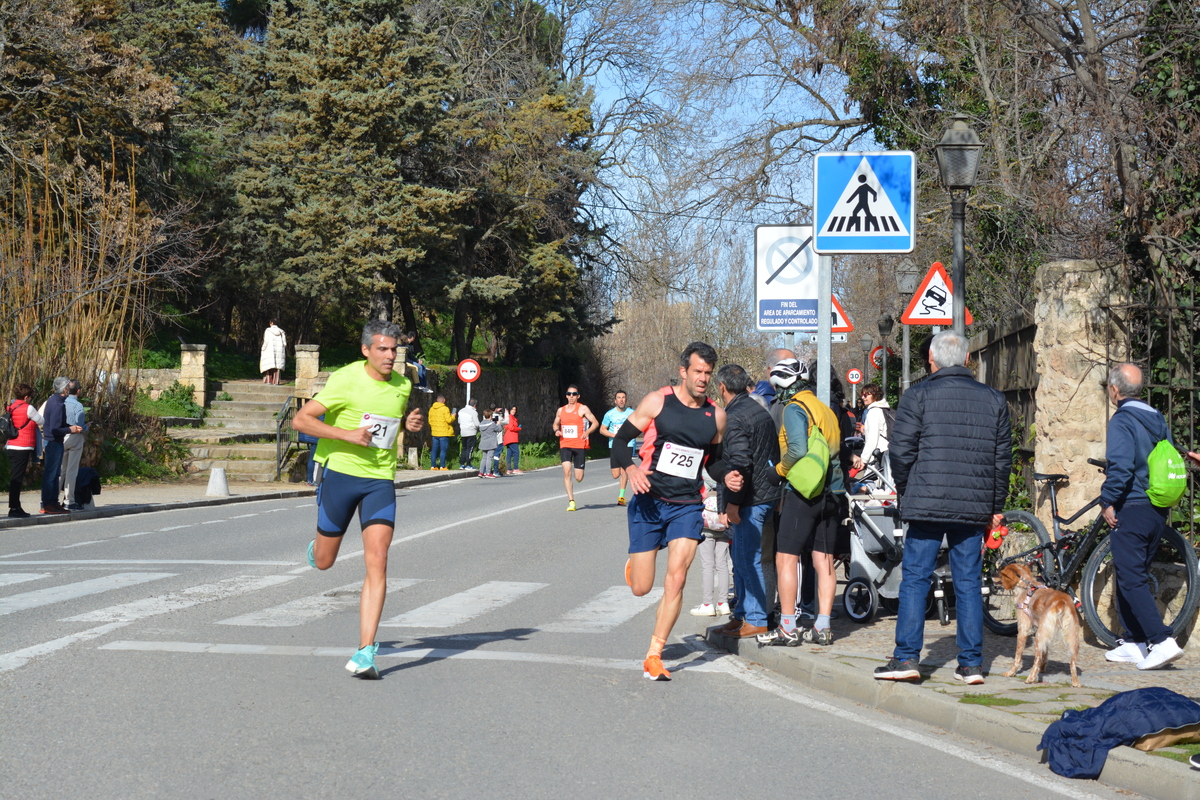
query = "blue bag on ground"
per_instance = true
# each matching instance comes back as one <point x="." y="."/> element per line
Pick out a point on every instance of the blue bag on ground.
<point x="1077" y="745"/>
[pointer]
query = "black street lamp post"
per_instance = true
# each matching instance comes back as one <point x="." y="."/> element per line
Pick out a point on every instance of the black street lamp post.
<point x="958" y="153"/>
<point x="886" y="323"/>
<point x="908" y="277"/>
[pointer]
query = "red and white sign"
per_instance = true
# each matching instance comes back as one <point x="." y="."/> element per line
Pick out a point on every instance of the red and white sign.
<point x="933" y="303"/>
<point x="877" y="356"/>
<point x="854" y="376"/>
<point x="841" y="320"/>
<point x="469" y="370"/>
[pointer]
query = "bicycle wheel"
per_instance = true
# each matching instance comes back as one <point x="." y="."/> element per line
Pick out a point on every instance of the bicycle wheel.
<point x="1025" y="533"/>
<point x="1173" y="581"/>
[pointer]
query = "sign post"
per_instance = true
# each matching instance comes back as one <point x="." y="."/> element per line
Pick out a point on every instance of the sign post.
<point x="468" y="372"/>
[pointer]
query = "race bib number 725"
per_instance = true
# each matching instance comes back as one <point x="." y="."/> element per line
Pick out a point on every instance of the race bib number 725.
<point x="680" y="461"/>
<point x="383" y="430"/>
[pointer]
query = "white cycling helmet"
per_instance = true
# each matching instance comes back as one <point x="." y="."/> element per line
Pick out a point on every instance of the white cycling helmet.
<point x="786" y="372"/>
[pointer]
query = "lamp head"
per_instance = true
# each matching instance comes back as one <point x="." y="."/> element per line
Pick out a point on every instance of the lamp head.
<point x="958" y="154"/>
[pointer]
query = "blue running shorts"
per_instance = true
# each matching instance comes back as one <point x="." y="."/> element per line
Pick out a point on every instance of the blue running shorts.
<point x="654" y="522"/>
<point x="339" y="495"/>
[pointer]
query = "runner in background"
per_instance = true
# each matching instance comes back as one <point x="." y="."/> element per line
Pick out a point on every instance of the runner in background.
<point x="572" y="422"/>
<point x="614" y="418"/>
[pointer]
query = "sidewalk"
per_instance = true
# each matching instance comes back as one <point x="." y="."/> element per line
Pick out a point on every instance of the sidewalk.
<point x="1005" y="712"/>
<point x="139" y="498"/>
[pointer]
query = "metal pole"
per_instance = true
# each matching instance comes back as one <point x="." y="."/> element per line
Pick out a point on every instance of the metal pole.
<point x="884" y="356"/>
<point x="958" y="212"/>
<point x="824" y="326"/>
<point x="904" y="364"/>
<point x="853" y="397"/>
<point x="789" y="341"/>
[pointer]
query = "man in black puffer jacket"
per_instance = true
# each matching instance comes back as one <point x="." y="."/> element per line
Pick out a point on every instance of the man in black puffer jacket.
<point x="951" y="453"/>
<point x="750" y="446"/>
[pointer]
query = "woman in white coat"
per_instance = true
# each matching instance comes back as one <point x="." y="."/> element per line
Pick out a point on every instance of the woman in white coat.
<point x="274" y="350"/>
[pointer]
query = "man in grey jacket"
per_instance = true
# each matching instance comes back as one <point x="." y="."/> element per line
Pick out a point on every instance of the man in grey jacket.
<point x="1137" y="525"/>
<point x="951" y="454"/>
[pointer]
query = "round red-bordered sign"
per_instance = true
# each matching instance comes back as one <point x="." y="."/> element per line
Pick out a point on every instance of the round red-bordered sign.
<point x="469" y="370"/>
<point x="877" y="356"/>
<point x="855" y="376"/>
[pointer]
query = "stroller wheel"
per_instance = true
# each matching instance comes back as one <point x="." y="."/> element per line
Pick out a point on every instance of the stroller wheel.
<point x="860" y="600"/>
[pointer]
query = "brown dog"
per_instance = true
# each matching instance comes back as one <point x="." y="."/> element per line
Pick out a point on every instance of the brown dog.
<point x="1047" y="610"/>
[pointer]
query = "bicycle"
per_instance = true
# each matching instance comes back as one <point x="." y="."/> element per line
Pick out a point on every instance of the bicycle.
<point x="1174" y="579"/>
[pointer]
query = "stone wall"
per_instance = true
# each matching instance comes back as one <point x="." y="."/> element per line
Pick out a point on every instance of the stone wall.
<point x="1070" y="347"/>
<point x="533" y="391"/>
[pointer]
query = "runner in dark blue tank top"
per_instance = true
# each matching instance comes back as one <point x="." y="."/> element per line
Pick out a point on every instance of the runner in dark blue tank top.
<point x="682" y="430"/>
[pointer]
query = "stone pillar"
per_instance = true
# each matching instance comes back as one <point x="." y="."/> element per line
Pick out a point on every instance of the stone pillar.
<point x="107" y="366"/>
<point x="1072" y="347"/>
<point x="308" y="364"/>
<point x="191" y="371"/>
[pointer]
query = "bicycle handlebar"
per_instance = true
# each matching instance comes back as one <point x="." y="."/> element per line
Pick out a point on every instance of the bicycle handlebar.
<point x="1098" y="462"/>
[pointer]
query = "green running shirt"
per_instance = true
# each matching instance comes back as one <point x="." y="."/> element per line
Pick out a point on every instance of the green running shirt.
<point x="352" y="400"/>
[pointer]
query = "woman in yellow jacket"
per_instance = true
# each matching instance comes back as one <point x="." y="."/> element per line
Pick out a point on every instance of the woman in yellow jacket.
<point x="441" y="428"/>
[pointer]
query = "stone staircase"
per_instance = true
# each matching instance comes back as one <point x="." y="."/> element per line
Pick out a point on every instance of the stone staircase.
<point x="239" y="433"/>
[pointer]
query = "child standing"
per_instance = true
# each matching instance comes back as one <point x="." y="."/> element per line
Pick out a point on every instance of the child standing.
<point x="714" y="557"/>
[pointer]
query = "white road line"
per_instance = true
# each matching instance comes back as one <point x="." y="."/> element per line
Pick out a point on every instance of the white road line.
<point x="186" y="598"/>
<point x="19" y="658"/>
<point x="174" y="528"/>
<point x="459" y="608"/>
<point x="139" y="533"/>
<point x="156" y="561"/>
<point x="26" y="553"/>
<point x="461" y="522"/>
<point x="604" y="612"/>
<point x="9" y="578"/>
<point x="740" y="670"/>
<point x="410" y="653"/>
<point x="78" y="544"/>
<point x="70" y="591"/>
<point x="308" y="609"/>
<point x="244" y="516"/>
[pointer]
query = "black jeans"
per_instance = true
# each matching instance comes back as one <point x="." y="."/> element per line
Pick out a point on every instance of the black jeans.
<point x="19" y="460"/>
<point x="468" y="450"/>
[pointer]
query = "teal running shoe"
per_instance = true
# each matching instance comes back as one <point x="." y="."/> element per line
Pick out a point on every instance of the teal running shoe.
<point x="312" y="561"/>
<point x="362" y="665"/>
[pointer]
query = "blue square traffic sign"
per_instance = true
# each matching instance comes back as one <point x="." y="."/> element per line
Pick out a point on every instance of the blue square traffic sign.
<point x="864" y="202"/>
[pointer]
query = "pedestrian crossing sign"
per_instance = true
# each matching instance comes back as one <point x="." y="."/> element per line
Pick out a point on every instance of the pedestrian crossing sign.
<point x="864" y="202"/>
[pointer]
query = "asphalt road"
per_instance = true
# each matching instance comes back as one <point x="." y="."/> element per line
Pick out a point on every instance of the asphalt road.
<point x="193" y="654"/>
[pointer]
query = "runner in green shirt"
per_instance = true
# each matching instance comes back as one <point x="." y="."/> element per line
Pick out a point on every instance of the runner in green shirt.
<point x="363" y="405"/>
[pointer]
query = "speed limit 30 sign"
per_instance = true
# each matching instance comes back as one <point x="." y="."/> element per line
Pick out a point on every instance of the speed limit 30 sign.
<point x="468" y="370"/>
<point x="854" y="376"/>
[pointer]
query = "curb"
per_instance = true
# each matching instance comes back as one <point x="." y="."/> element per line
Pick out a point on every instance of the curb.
<point x="1126" y="768"/>
<point x="145" y="508"/>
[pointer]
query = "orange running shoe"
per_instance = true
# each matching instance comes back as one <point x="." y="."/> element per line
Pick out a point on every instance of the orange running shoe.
<point x="653" y="669"/>
<point x="628" y="572"/>
<point x="621" y="500"/>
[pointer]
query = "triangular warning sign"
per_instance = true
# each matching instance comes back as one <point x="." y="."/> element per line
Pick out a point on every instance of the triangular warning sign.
<point x="933" y="302"/>
<point x="864" y="208"/>
<point x="841" y="320"/>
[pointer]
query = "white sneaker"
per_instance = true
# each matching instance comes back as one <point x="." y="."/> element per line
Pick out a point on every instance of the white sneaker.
<point x="1127" y="652"/>
<point x="722" y="609"/>
<point x="1161" y="654"/>
<point x="704" y="610"/>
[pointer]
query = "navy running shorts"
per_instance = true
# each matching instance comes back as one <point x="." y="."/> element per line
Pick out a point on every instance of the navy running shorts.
<point x="576" y="455"/>
<point x="654" y="522"/>
<point x="339" y="495"/>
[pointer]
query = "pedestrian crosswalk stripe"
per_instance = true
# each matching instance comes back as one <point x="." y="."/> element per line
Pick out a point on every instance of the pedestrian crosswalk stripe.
<point x="698" y="663"/>
<point x="309" y="609"/>
<point x="9" y="578"/>
<point x="19" y="658"/>
<point x="71" y="591"/>
<point x="186" y="598"/>
<point x="604" y="612"/>
<point x="459" y="608"/>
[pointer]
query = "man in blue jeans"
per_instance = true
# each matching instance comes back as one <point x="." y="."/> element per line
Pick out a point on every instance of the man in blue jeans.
<point x="749" y="447"/>
<point x="951" y="453"/>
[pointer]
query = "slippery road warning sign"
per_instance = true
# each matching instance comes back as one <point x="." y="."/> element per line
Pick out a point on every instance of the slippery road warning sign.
<point x="933" y="302"/>
<point x="863" y="202"/>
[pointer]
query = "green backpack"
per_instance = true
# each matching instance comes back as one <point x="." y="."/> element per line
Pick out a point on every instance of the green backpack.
<point x="807" y="476"/>
<point x="1168" y="473"/>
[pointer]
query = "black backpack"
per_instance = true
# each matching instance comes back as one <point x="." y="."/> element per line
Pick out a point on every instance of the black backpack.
<point x="7" y="427"/>
<point x="889" y="422"/>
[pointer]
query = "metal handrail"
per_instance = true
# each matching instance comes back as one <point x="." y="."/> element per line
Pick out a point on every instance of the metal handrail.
<point x="284" y="416"/>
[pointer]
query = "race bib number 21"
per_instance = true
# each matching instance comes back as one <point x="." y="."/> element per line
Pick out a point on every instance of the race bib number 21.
<point x="383" y="430"/>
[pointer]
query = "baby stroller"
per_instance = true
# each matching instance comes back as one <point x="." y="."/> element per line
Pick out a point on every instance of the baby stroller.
<point x="877" y="549"/>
